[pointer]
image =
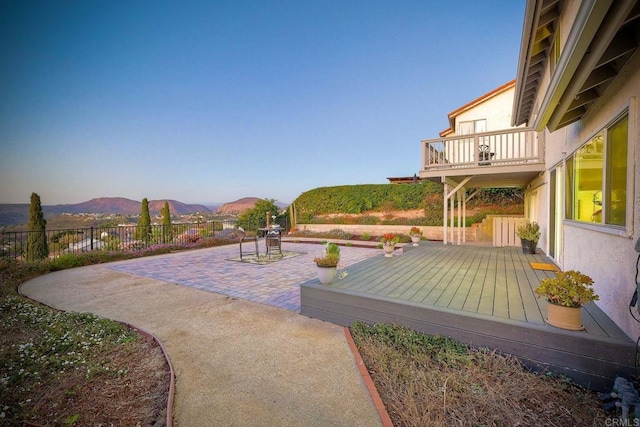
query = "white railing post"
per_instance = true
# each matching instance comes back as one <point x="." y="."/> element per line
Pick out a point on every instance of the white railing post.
<point x="425" y="146"/>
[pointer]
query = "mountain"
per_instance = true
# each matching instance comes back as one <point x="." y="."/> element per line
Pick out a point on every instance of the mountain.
<point x="175" y="207"/>
<point x="242" y="205"/>
<point x="239" y="206"/>
<point x="122" y="206"/>
<point x="11" y="214"/>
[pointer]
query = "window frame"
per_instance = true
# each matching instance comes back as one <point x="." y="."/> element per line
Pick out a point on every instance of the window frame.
<point x="569" y="162"/>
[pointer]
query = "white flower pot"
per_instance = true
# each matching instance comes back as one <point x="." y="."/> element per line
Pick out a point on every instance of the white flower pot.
<point x="326" y="274"/>
<point x="388" y="249"/>
<point x="415" y="240"/>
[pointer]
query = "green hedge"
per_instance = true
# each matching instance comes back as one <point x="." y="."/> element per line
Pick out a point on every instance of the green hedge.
<point x="356" y="199"/>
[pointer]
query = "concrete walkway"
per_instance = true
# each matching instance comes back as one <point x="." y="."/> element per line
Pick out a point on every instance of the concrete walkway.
<point x="237" y="363"/>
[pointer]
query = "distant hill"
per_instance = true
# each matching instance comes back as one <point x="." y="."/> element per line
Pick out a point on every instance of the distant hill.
<point x="12" y="214"/>
<point x="242" y="205"/>
<point x="122" y="206"/>
<point x="239" y="206"/>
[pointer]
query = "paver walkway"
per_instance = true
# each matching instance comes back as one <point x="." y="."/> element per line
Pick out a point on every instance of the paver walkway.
<point x="275" y="284"/>
<point x="236" y="363"/>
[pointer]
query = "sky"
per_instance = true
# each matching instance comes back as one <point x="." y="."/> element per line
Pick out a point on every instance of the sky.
<point x="212" y="101"/>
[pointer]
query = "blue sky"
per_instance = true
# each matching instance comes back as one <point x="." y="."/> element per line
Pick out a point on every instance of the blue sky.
<point x="211" y="101"/>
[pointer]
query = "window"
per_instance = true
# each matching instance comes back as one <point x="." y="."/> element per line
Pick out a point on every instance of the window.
<point x="473" y="126"/>
<point x="596" y="178"/>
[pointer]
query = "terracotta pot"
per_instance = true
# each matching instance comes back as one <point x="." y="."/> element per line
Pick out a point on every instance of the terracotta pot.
<point x="326" y="274"/>
<point x="564" y="317"/>
<point x="388" y="249"/>
<point x="528" y="246"/>
<point x="415" y="240"/>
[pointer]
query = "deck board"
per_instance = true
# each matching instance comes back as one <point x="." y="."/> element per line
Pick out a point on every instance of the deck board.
<point x="480" y="295"/>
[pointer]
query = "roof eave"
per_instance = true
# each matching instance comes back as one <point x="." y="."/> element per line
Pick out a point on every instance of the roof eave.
<point x="586" y="25"/>
<point x="528" y="30"/>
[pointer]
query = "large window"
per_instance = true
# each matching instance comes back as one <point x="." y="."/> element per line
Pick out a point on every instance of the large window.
<point x="596" y="178"/>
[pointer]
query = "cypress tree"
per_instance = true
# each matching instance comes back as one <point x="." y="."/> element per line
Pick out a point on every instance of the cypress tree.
<point x="167" y="234"/>
<point x="37" y="247"/>
<point x="144" y="223"/>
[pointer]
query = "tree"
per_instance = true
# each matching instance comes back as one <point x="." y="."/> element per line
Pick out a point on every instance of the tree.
<point x="37" y="247"/>
<point x="144" y="222"/>
<point x="256" y="217"/>
<point x="167" y="234"/>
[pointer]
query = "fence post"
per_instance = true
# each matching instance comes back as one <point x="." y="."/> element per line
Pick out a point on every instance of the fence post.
<point x="92" y="238"/>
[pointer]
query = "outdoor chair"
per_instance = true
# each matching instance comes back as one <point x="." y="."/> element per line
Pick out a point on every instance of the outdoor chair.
<point x="249" y="248"/>
<point x="484" y="156"/>
<point x="273" y="239"/>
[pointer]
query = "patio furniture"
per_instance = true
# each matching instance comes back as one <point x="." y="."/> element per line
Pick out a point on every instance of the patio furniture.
<point x="273" y="240"/>
<point x="249" y="249"/>
<point x="484" y="156"/>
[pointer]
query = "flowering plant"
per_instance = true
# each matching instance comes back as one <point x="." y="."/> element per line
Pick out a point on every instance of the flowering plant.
<point x="330" y="256"/>
<point x="389" y="239"/>
<point x="415" y="231"/>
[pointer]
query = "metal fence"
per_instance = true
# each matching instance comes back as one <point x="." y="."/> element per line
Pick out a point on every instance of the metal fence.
<point x="15" y="244"/>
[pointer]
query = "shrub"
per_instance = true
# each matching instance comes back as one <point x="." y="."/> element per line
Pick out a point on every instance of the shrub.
<point x="568" y="288"/>
<point x="529" y="231"/>
<point x="331" y="256"/>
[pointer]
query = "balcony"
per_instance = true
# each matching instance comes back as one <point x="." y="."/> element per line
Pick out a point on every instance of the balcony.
<point x="504" y="158"/>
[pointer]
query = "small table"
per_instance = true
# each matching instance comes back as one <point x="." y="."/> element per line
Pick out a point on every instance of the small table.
<point x="273" y="239"/>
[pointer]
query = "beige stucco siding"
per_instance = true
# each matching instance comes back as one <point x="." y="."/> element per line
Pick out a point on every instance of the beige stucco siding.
<point x="496" y="110"/>
<point x="605" y="254"/>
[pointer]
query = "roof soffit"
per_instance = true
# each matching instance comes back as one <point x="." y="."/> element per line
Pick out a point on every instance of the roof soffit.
<point x="540" y="24"/>
<point x="604" y="36"/>
<point x="615" y="42"/>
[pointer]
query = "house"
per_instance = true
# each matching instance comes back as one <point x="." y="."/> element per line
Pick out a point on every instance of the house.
<point x="573" y="142"/>
<point x="577" y="87"/>
<point x="480" y="149"/>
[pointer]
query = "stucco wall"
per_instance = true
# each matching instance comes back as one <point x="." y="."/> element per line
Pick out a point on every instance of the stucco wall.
<point x="496" y="110"/>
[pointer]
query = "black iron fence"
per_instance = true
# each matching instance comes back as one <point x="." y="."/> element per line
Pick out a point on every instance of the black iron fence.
<point x="21" y="244"/>
<point x="25" y="244"/>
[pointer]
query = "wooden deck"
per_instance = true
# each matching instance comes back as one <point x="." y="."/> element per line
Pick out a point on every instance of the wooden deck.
<point x="479" y="295"/>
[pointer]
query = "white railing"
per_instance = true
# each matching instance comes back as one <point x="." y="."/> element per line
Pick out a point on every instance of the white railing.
<point x="504" y="147"/>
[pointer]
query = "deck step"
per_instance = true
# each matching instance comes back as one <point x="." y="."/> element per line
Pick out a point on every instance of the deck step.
<point x="372" y="293"/>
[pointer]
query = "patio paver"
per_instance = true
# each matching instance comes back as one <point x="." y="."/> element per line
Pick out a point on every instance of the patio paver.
<point x="276" y="284"/>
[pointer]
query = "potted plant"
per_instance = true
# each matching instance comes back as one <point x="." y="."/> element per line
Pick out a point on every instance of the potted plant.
<point x="388" y="241"/>
<point x="416" y="235"/>
<point x="566" y="294"/>
<point x="327" y="264"/>
<point x="529" y="235"/>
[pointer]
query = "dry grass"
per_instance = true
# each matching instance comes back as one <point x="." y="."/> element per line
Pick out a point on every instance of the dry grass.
<point x="435" y="381"/>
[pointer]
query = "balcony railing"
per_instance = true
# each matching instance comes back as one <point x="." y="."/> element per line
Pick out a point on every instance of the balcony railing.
<point x="505" y="147"/>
